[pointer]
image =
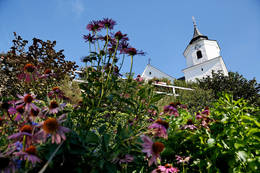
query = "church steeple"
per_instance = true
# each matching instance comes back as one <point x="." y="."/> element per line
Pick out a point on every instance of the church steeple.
<point x="197" y="35"/>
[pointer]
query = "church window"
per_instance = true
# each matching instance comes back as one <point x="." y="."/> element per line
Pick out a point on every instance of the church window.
<point x="150" y="73"/>
<point x="199" y="54"/>
<point x="201" y="69"/>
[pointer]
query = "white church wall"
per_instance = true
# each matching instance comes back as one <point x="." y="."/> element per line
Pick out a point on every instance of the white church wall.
<point x="211" y="49"/>
<point x="205" y="69"/>
<point x="151" y="72"/>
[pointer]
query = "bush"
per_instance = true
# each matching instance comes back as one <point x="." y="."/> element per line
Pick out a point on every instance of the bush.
<point x="235" y="84"/>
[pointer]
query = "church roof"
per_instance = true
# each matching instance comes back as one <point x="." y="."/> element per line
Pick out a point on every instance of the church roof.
<point x="149" y="68"/>
<point x="197" y="35"/>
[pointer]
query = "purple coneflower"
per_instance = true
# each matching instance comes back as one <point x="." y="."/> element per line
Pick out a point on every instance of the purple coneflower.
<point x="166" y="169"/>
<point x="89" y="38"/>
<point x="94" y="26"/>
<point x="52" y="126"/>
<point x="29" y="154"/>
<point x="181" y="159"/>
<point x="160" y="128"/>
<point x="125" y="159"/>
<point x="170" y="110"/>
<point x="189" y="125"/>
<point x="120" y="36"/>
<point x="54" y="107"/>
<point x="25" y="131"/>
<point x="123" y="46"/>
<point x="56" y="92"/>
<point x="152" y="149"/>
<point x="18" y="110"/>
<point x="108" y="23"/>
<point x="132" y="52"/>
<point x="30" y="73"/>
<point x="27" y="100"/>
<point x="205" y="111"/>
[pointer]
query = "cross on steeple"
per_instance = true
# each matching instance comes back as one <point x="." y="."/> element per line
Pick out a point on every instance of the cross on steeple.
<point x="149" y="61"/>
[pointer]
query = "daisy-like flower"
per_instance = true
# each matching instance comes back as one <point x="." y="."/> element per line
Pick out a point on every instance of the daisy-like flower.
<point x="54" y="107"/>
<point x="132" y="52"/>
<point x="139" y="78"/>
<point x="124" y="159"/>
<point x="152" y="149"/>
<point x="29" y="154"/>
<point x="89" y="38"/>
<point x="30" y="73"/>
<point x="123" y="46"/>
<point x="170" y="110"/>
<point x="52" y="126"/>
<point x="120" y="36"/>
<point x="26" y="130"/>
<point x="27" y="101"/>
<point x="205" y="111"/>
<point x="189" y="125"/>
<point x="167" y="168"/>
<point x="56" y="92"/>
<point x="160" y="127"/>
<point x="108" y="23"/>
<point x="181" y="159"/>
<point x="18" y="111"/>
<point x="94" y="26"/>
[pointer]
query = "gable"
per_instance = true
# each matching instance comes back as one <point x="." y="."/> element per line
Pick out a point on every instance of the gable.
<point x="152" y="72"/>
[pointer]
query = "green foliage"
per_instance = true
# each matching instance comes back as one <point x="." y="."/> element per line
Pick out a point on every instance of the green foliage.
<point x="235" y="84"/>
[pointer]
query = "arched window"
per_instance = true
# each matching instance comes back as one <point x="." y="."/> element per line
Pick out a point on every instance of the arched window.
<point x="199" y="54"/>
<point x="150" y="73"/>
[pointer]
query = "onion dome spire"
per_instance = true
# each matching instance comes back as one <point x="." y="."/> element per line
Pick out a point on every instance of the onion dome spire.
<point x="197" y="35"/>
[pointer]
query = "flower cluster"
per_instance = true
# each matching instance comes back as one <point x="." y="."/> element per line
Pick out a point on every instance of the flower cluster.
<point x="34" y="125"/>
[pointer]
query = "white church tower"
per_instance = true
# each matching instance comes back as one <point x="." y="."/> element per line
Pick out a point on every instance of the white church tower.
<point x="202" y="57"/>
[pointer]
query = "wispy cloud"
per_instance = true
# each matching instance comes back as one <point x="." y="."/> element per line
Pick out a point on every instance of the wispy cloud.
<point x="77" y="7"/>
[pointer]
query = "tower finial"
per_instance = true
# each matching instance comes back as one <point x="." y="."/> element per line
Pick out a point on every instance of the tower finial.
<point x="149" y="61"/>
<point x="194" y="21"/>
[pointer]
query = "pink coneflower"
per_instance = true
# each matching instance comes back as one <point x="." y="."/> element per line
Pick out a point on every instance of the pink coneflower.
<point x="160" y="127"/>
<point x="27" y="100"/>
<point x="170" y="110"/>
<point x="120" y="36"/>
<point x="108" y="23"/>
<point x="89" y="38"/>
<point x="30" y="73"/>
<point x="125" y="159"/>
<point x="166" y="169"/>
<point x="152" y="149"/>
<point x="139" y="78"/>
<point x="52" y="126"/>
<point x="29" y="154"/>
<point x="132" y="52"/>
<point x="189" y="125"/>
<point x="26" y="131"/>
<point x="18" y="110"/>
<point x="94" y="26"/>
<point x="205" y="111"/>
<point x="54" y="107"/>
<point x="123" y="47"/>
<point x="181" y="159"/>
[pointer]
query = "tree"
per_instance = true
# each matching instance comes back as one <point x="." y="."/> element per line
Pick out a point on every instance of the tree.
<point x="235" y="84"/>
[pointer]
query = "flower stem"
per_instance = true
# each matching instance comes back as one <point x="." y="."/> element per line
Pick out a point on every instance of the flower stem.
<point x="130" y="74"/>
<point x="24" y="141"/>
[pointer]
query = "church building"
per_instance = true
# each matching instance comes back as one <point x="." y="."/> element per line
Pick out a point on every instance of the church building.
<point x="202" y="57"/>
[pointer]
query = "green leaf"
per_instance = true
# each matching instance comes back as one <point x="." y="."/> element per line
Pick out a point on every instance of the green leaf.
<point x="92" y="138"/>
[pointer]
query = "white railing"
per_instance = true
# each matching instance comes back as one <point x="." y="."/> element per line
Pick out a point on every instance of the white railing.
<point x="170" y="86"/>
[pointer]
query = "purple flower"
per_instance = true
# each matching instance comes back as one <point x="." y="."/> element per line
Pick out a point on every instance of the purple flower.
<point x="166" y="169"/>
<point x="18" y="110"/>
<point x="94" y="26"/>
<point x="170" y="110"/>
<point x="132" y="51"/>
<point x="152" y="149"/>
<point x="29" y="154"/>
<point x="108" y="23"/>
<point x="205" y="111"/>
<point x="189" y="125"/>
<point x="160" y="127"/>
<point x="27" y="100"/>
<point x="54" y="107"/>
<point x="52" y="126"/>
<point x="123" y="47"/>
<point x="139" y="78"/>
<point x="125" y="159"/>
<point x="181" y="159"/>
<point x="89" y="38"/>
<point x="30" y="73"/>
<point x="120" y="36"/>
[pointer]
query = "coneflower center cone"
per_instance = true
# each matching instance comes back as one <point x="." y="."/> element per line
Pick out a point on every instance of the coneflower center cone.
<point x="53" y="105"/>
<point x="50" y="125"/>
<point x="157" y="147"/>
<point x="27" y="129"/>
<point x="28" y="98"/>
<point x="29" y="68"/>
<point x="163" y="123"/>
<point x="31" y="150"/>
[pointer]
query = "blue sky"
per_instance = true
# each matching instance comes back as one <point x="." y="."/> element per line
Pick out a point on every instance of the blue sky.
<point x="161" y="28"/>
